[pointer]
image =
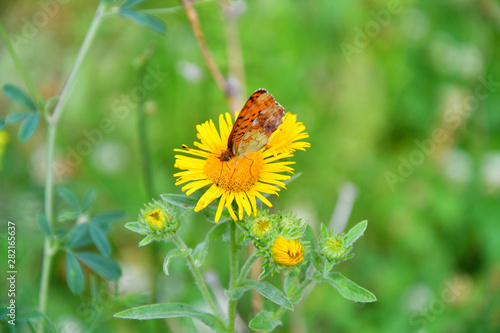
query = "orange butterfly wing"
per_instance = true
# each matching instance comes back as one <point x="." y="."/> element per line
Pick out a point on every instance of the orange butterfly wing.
<point x="259" y="118"/>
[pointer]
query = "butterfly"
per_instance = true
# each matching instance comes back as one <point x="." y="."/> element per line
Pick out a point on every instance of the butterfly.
<point x="259" y="118"/>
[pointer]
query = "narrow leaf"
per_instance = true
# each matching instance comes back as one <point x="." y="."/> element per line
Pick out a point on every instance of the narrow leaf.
<point x="148" y="239"/>
<point x="200" y="253"/>
<point x="88" y="200"/>
<point x="100" y="240"/>
<point x="265" y="289"/>
<point x="105" y="267"/>
<point x="131" y="3"/>
<point x="136" y="227"/>
<point x="179" y="200"/>
<point x="43" y="223"/>
<point x="78" y="235"/>
<point x="176" y="253"/>
<point x="171" y="310"/>
<point x="18" y="95"/>
<point x="28" y="127"/>
<point x="356" y="232"/>
<point x="12" y="118"/>
<point x="144" y="19"/>
<point x="68" y="196"/>
<point x="74" y="274"/>
<point x="217" y="231"/>
<point x="264" y="321"/>
<point x="348" y="289"/>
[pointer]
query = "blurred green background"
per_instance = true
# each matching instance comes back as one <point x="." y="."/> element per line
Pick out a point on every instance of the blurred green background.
<point x="401" y="100"/>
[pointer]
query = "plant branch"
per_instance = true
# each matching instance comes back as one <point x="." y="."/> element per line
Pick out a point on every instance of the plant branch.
<point x="198" y="277"/>
<point x="212" y="66"/>
<point x="50" y="249"/>
<point x="247" y="266"/>
<point x="233" y="282"/>
<point x="87" y="41"/>
<point x="299" y="289"/>
<point x="31" y="87"/>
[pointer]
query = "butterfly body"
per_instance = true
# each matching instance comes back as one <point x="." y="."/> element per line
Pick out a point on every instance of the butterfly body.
<point x="259" y="118"/>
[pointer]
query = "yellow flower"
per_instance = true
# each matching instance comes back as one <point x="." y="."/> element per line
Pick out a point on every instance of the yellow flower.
<point x="287" y="252"/>
<point x="156" y="219"/>
<point x="261" y="226"/>
<point x="241" y="179"/>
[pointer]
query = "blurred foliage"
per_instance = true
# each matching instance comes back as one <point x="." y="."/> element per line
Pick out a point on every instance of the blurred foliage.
<point x="432" y="252"/>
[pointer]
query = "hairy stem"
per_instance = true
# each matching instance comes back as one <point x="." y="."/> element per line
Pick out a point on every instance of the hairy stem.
<point x="247" y="266"/>
<point x="299" y="289"/>
<point x="197" y="276"/>
<point x="233" y="282"/>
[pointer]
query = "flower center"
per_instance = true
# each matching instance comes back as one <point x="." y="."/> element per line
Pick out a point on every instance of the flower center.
<point x="155" y="218"/>
<point x="236" y="175"/>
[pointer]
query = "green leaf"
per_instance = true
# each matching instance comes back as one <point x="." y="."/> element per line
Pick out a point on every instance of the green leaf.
<point x="108" y="217"/>
<point x="356" y="232"/>
<point x="100" y="240"/>
<point x="148" y="239"/>
<point x="179" y="200"/>
<point x="264" y="321"/>
<point x="77" y="236"/>
<point x="2" y="123"/>
<point x="176" y="253"/>
<point x="74" y="274"/>
<point x="131" y="3"/>
<point x="265" y="289"/>
<point x="68" y="214"/>
<point x="18" y="95"/>
<point x="105" y="267"/>
<point x="43" y="223"/>
<point x="172" y="310"/>
<point x="15" y="117"/>
<point x="68" y="196"/>
<point x="217" y="231"/>
<point x="88" y="200"/>
<point x="200" y="253"/>
<point x="28" y="127"/>
<point x="348" y="289"/>
<point x="291" y="285"/>
<point x="144" y="19"/>
<point x="136" y="227"/>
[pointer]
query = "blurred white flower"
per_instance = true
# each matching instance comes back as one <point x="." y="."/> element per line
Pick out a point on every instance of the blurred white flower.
<point x="490" y="170"/>
<point x="110" y="157"/>
<point x="189" y="71"/>
<point x="458" y="166"/>
<point x="417" y="296"/>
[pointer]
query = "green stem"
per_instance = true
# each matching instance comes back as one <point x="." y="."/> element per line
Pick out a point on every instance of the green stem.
<point x="233" y="282"/>
<point x="197" y="276"/>
<point x="50" y="249"/>
<point x="246" y="267"/>
<point x="299" y="289"/>
<point x="31" y="87"/>
<point x="87" y="41"/>
<point x="145" y="153"/>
